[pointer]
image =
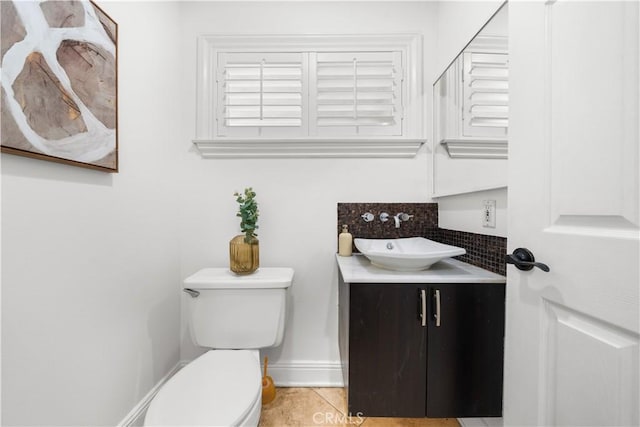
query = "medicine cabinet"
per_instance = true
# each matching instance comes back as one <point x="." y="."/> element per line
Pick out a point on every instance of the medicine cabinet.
<point x="471" y="114"/>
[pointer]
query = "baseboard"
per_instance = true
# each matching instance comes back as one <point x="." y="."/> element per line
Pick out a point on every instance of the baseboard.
<point x="480" y="422"/>
<point x="135" y="417"/>
<point x="306" y="374"/>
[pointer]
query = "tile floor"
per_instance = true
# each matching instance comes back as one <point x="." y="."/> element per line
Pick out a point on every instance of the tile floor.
<point x="314" y="407"/>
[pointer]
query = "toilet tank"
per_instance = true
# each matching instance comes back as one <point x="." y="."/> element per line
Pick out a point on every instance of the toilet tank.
<point x="230" y="311"/>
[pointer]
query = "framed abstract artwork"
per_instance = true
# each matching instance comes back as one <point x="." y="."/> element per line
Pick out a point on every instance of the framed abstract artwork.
<point x="59" y="82"/>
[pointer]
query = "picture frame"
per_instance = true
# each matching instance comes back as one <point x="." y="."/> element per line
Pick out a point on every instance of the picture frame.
<point x="60" y="83"/>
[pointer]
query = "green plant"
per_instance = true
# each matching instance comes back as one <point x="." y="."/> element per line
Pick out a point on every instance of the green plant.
<point x="248" y="213"/>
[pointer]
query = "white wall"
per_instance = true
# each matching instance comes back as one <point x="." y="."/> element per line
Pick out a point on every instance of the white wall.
<point x="297" y="197"/>
<point x="90" y="299"/>
<point x="457" y="23"/>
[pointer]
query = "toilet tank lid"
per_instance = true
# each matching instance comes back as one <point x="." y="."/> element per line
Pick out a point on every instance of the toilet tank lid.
<point x="223" y="278"/>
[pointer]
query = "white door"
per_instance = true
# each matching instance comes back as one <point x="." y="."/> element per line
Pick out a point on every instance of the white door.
<point x="571" y="355"/>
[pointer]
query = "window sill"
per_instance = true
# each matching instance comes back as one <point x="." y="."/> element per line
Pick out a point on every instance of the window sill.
<point x="308" y="148"/>
<point x="476" y="149"/>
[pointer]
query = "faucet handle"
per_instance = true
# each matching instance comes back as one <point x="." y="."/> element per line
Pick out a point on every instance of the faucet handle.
<point x="400" y="217"/>
<point x="405" y="216"/>
<point x="384" y="217"/>
<point x="368" y="217"/>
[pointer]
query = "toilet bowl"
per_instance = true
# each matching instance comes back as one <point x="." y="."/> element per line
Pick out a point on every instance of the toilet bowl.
<point x="219" y="388"/>
<point x="233" y="316"/>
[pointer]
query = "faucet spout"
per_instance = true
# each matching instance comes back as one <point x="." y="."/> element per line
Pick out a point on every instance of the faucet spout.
<point x="397" y="220"/>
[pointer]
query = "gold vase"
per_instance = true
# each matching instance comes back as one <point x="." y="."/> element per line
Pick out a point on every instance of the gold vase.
<point x="244" y="258"/>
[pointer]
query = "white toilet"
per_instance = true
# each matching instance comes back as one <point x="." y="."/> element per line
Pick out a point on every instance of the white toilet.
<point x="234" y="316"/>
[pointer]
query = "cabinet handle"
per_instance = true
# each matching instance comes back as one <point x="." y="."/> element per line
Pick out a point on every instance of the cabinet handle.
<point x="423" y="304"/>
<point x="437" y="315"/>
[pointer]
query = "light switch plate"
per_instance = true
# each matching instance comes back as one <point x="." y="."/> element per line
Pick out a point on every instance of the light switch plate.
<point x="489" y="213"/>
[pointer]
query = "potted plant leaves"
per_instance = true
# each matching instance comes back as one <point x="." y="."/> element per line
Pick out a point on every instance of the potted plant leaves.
<point x="244" y="253"/>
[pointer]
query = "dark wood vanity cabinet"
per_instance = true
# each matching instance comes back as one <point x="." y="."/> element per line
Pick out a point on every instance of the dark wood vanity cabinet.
<point x="387" y="351"/>
<point x="397" y="364"/>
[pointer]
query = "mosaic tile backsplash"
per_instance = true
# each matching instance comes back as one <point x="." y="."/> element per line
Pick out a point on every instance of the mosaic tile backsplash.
<point x="484" y="251"/>
<point x="424" y="221"/>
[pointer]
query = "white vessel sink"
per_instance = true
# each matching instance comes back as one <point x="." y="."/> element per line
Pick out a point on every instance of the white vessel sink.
<point x="410" y="254"/>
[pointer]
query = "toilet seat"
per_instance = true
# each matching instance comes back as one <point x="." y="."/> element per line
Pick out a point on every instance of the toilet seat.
<point x="219" y="388"/>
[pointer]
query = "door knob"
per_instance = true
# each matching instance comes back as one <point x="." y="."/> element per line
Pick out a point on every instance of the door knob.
<point x="524" y="260"/>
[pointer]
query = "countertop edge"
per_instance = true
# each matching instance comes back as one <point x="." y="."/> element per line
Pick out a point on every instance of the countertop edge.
<point x="358" y="269"/>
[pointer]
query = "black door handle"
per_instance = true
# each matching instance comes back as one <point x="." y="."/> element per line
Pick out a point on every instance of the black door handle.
<point x="524" y="260"/>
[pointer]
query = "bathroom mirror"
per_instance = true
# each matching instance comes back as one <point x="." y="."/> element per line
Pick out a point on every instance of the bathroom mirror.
<point x="471" y="114"/>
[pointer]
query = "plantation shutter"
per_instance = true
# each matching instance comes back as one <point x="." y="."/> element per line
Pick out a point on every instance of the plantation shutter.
<point x="356" y="94"/>
<point x="486" y="94"/>
<point x="261" y="94"/>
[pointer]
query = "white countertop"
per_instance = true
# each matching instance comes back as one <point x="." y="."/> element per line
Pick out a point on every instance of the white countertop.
<point x="358" y="269"/>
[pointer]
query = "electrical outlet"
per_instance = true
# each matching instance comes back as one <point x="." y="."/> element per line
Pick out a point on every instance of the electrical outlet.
<point x="489" y="213"/>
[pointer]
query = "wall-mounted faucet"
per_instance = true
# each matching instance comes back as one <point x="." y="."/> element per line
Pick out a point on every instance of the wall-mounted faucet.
<point x="401" y="217"/>
<point x="384" y="217"/>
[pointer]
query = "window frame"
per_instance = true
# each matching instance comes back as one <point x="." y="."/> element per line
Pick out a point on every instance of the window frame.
<point x="405" y="145"/>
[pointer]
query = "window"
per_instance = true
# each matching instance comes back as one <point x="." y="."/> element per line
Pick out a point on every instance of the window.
<point x="486" y="88"/>
<point x="357" y="94"/>
<point x="309" y="96"/>
<point x="261" y="94"/>
<point x="471" y="101"/>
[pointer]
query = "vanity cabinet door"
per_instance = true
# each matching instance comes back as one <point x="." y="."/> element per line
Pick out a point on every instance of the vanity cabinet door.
<point x="465" y="350"/>
<point x="387" y="350"/>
